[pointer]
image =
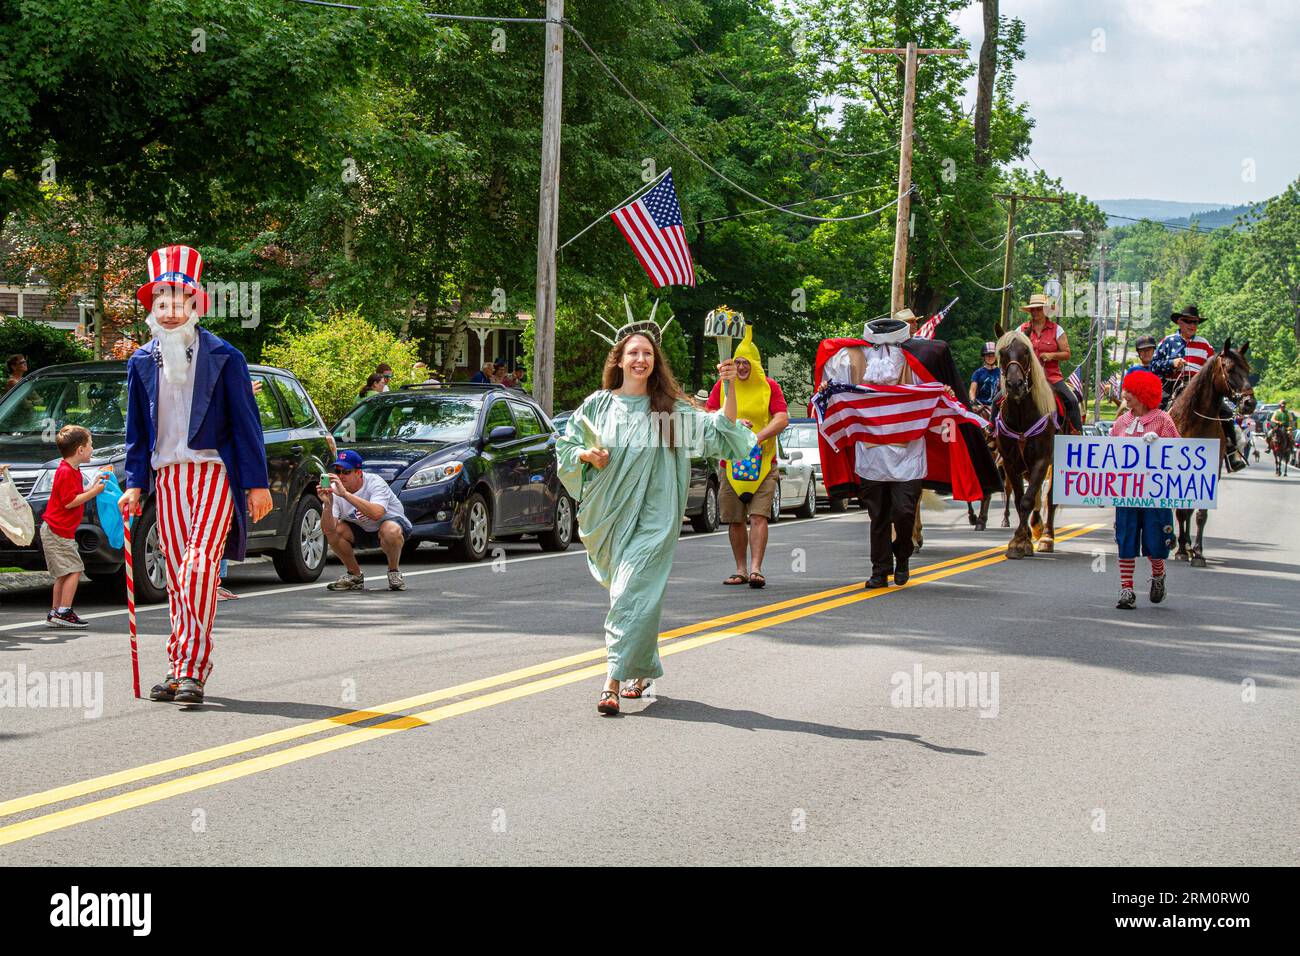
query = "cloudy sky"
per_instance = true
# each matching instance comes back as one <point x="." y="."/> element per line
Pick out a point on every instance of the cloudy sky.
<point x="1161" y="99"/>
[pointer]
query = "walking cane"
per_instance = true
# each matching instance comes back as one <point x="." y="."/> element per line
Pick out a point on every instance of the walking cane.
<point x="130" y="603"/>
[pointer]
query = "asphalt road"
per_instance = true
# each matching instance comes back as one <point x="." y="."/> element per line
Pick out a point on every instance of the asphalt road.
<point x="455" y="722"/>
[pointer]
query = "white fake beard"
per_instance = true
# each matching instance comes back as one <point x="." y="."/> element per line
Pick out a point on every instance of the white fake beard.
<point x="884" y="365"/>
<point x="174" y="343"/>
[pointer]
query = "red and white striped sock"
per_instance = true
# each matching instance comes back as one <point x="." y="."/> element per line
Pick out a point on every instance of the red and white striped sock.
<point x="1126" y="572"/>
<point x="1157" y="567"/>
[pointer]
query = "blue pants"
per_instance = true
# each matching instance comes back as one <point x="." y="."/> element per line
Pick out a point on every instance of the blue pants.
<point x="1148" y="531"/>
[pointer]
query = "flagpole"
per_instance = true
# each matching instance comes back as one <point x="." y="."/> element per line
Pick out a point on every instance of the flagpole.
<point x="621" y="203"/>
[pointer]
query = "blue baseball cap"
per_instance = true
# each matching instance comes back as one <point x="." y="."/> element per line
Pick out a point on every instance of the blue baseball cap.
<point x="348" y="459"/>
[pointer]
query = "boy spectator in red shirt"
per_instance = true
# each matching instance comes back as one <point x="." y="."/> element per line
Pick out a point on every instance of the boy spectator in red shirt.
<point x="61" y="519"/>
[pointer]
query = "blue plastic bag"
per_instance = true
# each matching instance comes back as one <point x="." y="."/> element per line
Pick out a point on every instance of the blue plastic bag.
<point x="110" y="518"/>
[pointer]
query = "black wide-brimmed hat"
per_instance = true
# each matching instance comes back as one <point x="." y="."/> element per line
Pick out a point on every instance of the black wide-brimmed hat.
<point x="1145" y="342"/>
<point x="1191" y="313"/>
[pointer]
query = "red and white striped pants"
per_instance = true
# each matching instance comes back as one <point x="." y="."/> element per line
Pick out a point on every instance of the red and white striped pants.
<point x="195" y="508"/>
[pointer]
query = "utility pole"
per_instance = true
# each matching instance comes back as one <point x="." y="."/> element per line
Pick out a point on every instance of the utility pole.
<point x="898" y="280"/>
<point x="1100" y="323"/>
<point x="1009" y="256"/>
<point x="548" y="207"/>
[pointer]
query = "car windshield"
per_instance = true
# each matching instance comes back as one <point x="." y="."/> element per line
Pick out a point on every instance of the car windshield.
<point x="411" y="418"/>
<point x="800" y="435"/>
<point x="43" y="405"/>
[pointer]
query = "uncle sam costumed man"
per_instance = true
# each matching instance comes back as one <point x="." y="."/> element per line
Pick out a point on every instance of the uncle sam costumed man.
<point x="194" y="439"/>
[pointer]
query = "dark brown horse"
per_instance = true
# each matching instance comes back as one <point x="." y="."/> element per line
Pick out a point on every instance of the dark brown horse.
<point x="1026" y="428"/>
<point x="1196" y="412"/>
<point x="1280" y="443"/>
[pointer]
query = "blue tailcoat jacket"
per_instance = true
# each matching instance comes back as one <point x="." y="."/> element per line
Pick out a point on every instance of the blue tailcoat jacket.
<point x="223" y="417"/>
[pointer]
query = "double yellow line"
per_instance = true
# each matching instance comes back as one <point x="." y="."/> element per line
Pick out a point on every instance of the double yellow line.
<point x="475" y="695"/>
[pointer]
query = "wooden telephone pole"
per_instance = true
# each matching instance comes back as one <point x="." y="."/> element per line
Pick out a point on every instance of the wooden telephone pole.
<point x="898" y="281"/>
<point x="548" y="209"/>
<point x="1010" y="255"/>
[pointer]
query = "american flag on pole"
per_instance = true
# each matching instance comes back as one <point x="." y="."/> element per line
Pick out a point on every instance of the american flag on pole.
<point x="927" y="331"/>
<point x="884" y="414"/>
<point x="652" y="225"/>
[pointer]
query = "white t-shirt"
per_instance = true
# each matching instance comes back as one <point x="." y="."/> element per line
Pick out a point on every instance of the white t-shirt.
<point x="172" y="446"/>
<point x="375" y="490"/>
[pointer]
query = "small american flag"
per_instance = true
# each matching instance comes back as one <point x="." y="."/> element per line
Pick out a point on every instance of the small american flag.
<point x="1076" y="382"/>
<point x="652" y="225"/>
<point x="927" y="331"/>
<point x="884" y="414"/>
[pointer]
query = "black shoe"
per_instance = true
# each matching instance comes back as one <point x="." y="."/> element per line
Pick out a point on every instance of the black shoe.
<point x="165" y="691"/>
<point x="1127" y="599"/>
<point x="901" y="573"/>
<point x="877" y="581"/>
<point x="189" y="691"/>
<point x="1157" y="588"/>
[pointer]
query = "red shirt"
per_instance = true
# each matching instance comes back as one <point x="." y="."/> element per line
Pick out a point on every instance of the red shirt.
<point x="1045" y="341"/>
<point x="775" y="404"/>
<point x="63" y="520"/>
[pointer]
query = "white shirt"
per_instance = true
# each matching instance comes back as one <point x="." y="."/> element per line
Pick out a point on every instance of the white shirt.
<point x="901" y="462"/>
<point x="173" y="445"/>
<point x="374" y="490"/>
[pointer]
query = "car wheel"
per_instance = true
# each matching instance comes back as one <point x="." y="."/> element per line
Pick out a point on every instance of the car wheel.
<point x="303" y="558"/>
<point x="559" y="537"/>
<point x="473" y="543"/>
<point x="809" y="506"/>
<point x="706" y="522"/>
<point x="775" y="516"/>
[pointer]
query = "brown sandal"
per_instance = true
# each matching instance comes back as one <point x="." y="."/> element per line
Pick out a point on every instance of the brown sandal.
<point x="736" y="579"/>
<point x="756" y="580"/>
<point x="608" y="703"/>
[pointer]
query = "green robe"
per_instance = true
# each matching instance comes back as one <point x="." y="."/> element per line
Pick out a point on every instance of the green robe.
<point x="630" y="512"/>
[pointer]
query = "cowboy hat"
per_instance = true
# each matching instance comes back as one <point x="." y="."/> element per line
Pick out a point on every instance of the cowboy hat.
<point x="904" y="315"/>
<point x="1037" y="301"/>
<point x="174" y="265"/>
<point x="1191" y="314"/>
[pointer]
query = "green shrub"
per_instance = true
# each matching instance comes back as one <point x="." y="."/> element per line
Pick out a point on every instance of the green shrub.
<point x="333" y="356"/>
<point x="40" y="342"/>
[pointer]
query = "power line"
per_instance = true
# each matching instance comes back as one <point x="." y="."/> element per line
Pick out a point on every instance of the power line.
<point x="939" y="233"/>
<point x="431" y="16"/>
<point x="802" y="202"/>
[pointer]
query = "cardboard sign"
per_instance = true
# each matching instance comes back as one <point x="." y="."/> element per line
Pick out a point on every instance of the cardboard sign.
<point x="1135" y="473"/>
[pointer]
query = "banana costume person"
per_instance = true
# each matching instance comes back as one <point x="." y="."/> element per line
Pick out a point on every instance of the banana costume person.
<point x="746" y="495"/>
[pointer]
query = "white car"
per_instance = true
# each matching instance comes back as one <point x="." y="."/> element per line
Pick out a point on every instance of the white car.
<point x="801" y="435"/>
<point x="796" y="487"/>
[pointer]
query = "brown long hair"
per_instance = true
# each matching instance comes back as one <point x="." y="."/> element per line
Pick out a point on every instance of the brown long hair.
<point x="662" y="387"/>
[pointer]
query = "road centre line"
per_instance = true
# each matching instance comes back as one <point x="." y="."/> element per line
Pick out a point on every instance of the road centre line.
<point x="316" y="585"/>
<point x="311" y="728"/>
<point x="153" y="793"/>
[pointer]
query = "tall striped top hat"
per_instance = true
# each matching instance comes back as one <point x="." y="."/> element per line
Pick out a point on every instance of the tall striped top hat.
<point x="174" y="265"/>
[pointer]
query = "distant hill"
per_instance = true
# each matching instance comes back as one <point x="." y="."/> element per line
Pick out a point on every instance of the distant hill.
<point x="1122" y="212"/>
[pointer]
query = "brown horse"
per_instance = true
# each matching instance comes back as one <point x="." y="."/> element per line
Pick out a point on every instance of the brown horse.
<point x="1280" y="443"/>
<point x="1026" y="428"/>
<point x="1196" y="413"/>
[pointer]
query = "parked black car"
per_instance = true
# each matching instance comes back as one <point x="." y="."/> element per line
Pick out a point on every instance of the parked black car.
<point x="701" y="497"/>
<point x="93" y="395"/>
<point x="468" y="462"/>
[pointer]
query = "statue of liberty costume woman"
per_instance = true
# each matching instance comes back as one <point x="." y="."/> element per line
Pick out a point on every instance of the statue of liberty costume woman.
<point x="625" y="457"/>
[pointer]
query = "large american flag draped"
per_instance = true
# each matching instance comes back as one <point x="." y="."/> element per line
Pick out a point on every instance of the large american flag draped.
<point x="652" y="225"/>
<point x="926" y="331"/>
<point x="884" y="414"/>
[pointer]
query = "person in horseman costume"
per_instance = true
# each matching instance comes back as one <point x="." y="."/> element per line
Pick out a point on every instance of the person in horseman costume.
<point x="747" y="496"/>
<point x="193" y="439"/>
<point x="950" y="456"/>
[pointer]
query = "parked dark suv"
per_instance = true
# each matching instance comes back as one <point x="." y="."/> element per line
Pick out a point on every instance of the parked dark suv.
<point x="93" y="394"/>
<point x="468" y="462"/>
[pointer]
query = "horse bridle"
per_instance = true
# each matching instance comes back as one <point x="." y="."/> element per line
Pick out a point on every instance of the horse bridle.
<point x="1221" y="375"/>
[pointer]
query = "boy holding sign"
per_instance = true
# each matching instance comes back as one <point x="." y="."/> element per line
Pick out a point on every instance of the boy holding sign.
<point x="1149" y="530"/>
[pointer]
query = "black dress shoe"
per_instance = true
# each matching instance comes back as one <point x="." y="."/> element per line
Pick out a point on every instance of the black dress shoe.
<point x="877" y="581"/>
<point x="901" y="573"/>
<point x="189" y="691"/>
<point x="164" y="691"/>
